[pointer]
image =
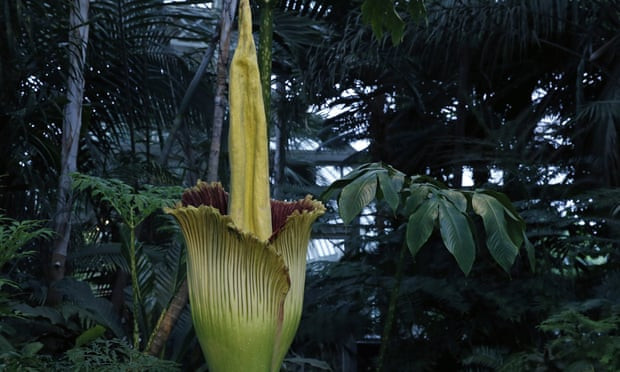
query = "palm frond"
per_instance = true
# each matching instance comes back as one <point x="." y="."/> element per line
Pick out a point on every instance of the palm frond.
<point x="99" y="258"/>
<point x="97" y="310"/>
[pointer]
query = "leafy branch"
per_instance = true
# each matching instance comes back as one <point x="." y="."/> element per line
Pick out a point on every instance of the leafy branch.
<point x="428" y="205"/>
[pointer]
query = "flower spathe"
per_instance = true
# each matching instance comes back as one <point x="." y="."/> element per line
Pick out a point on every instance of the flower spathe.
<point x="246" y="294"/>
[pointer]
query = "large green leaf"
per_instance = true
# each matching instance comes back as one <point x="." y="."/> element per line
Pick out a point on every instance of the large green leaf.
<point x="499" y="242"/>
<point x="31" y="349"/>
<point x="90" y="335"/>
<point x="390" y="192"/>
<point x="421" y="225"/>
<point x="529" y="249"/>
<point x="515" y="229"/>
<point x="356" y="196"/>
<point x="349" y="178"/>
<point x="417" y="195"/>
<point x="456" y="198"/>
<point x="456" y="235"/>
<point x="334" y="188"/>
<point x="506" y="203"/>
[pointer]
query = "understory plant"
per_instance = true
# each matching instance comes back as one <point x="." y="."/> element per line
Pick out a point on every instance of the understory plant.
<point x="133" y="208"/>
<point x="14" y="236"/>
<point x="22" y="351"/>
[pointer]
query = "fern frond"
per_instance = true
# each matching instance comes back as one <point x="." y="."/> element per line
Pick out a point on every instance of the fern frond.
<point x="485" y="356"/>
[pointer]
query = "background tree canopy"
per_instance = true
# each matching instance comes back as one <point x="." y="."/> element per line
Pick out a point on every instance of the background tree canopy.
<point x="520" y="97"/>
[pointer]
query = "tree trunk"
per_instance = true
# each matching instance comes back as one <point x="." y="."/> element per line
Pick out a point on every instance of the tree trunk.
<point x="219" y="109"/>
<point x="78" y="39"/>
<point x="168" y="319"/>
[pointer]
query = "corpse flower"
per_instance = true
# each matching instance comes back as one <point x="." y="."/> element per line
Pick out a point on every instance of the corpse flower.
<point x="246" y="253"/>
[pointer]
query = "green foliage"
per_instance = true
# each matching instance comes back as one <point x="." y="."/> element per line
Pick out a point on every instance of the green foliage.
<point x="32" y="77"/>
<point x="16" y="234"/>
<point x="582" y="337"/>
<point x="115" y="355"/>
<point x="423" y="218"/>
<point x="426" y="204"/>
<point x="383" y="15"/>
<point x="484" y="356"/>
<point x="363" y="188"/>
<point x="28" y="359"/>
<point x="456" y="234"/>
<point x="25" y="330"/>
<point x="99" y="355"/>
<point x="61" y="327"/>
<point x="90" y="335"/>
<point x="581" y="340"/>
<point x="133" y="206"/>
<point x="494" y="214"/>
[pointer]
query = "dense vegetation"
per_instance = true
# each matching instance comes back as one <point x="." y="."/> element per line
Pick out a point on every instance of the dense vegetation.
<point x="520" y="97"/>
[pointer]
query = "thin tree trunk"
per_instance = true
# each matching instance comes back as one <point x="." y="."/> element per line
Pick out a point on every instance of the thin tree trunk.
<point x="226" y="22"/>
<point x="391" y="312"/>
<point x="168" y="319"/>
<point x="279" y="159"/>
<point x="78" y="39"/>
<point x="264" y="53"/>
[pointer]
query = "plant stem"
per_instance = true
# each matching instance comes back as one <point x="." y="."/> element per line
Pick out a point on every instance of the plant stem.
<point x="135" y="290"/>
<point x="264" y="56"/>
<point x="389" y="321"/>
<point x="229" y="8"/>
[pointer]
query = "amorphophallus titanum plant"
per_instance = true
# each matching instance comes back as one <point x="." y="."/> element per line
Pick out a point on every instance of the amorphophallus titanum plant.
<point x="246" y="253"/>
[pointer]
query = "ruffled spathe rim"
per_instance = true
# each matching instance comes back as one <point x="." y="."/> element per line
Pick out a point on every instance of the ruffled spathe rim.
<point x="214" y="195"/>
